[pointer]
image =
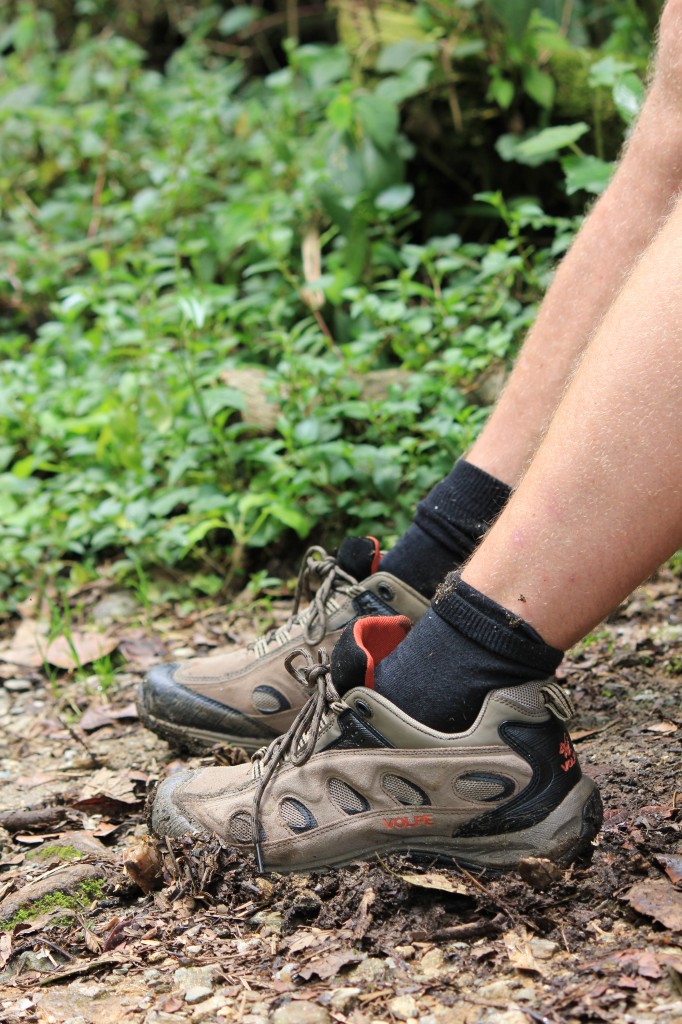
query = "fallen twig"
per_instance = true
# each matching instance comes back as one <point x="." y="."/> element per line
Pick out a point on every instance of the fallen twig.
<point x="472" y="930"/>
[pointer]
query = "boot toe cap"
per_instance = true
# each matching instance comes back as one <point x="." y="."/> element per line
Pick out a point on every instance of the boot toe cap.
<point x="168" y="816"/>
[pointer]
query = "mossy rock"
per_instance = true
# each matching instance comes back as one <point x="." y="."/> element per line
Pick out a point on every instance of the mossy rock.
<point x="71" y="887"/>
<point x="364" y="27"/>
<point x="55" y="851"/>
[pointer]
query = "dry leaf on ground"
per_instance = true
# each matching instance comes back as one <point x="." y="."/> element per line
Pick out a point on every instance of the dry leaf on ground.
<point x="329" y="966"/>
<point x="517" y="942"/>
<point x="663" y="728"/>
<point x="672" y="865"/>
<point x="107" y="792"/>
<point x="79" y="649"/>
<point x="431" y="880"/>
<point x="105" y="714"/>
<point x="658" y="899"/>
<point x="30" y="647"/>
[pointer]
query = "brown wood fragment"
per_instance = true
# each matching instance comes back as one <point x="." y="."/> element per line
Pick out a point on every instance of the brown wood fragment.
<point x="32" y="819"/>
<point x="462" y="932"/>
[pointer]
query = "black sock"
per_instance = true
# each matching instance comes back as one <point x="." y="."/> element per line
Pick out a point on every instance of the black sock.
<point x="465" y="646"/>
<point x="447" y="526"/>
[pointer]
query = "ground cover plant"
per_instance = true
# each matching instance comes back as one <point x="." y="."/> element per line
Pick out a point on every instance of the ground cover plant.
<point x="177" y="237"/>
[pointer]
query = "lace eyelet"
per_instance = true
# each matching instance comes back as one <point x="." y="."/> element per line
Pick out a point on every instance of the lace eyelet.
<point x="385" y="592"/>
<point x="364" y="709"/>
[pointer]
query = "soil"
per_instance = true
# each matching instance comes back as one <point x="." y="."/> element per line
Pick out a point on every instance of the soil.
<point x="86" y="941"/>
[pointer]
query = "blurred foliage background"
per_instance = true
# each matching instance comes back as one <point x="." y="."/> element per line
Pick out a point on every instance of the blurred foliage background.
<point x="263" y="268"/>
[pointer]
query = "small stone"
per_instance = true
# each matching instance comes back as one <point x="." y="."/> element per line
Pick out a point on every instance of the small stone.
<point x="269" y="920"/>
<point x="184" y="652"/>
<point x="30" y="961"/>
<point x="91" y="990"/>
<point x="405" y="952"/>
<point x="18" y="685"/>
<point x="197" y="994"/>
<point x="287" y="971"/>
<point x="508" y="1017"/>
<point x="403" y="1007"/>
<point x="344" y="999"/>
<point x="208" y="1007"/>
<point x="372" y="969"/>
<point x="496" y="990"/>
<point x="668" y="634"/>
<point x="115" y="607"/>
<point x="543" y="949"/>
<point x="300" y="1012"/>
<point x="447" y="1014"/>
<point x="432" y="963"/>
<point x="193" y="979"/>
<point x="247" y="945"/>
<point x="539" y="872"/>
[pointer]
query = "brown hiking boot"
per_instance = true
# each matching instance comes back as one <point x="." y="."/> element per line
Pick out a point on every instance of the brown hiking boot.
<point x="247" y="697"/>
<point x="355" y="776"/>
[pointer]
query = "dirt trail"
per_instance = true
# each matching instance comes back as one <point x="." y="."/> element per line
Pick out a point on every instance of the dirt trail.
<point x="386" y="941"/>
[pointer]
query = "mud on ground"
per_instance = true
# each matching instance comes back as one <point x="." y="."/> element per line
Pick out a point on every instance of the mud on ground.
<point x="386" y="941"/>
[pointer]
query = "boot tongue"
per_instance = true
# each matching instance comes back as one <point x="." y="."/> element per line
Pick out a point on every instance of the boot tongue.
<point x="362" y="645"/>
<point x="359" y="556"/>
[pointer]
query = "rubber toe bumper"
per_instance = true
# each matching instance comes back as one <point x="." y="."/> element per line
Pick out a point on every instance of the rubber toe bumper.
<point x="164" y="701"/>
<point x="166" y="818"/>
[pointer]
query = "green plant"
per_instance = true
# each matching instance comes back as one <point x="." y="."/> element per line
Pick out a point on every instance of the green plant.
<point x="161" y="230"/>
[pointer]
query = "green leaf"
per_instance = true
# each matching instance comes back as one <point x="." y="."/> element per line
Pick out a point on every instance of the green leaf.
<point x="514" y="15"/>
<point x="379" y="118"/>
<point x="397" y="197"/>
<point x="100" y="260"/>
<point x="397" y="56"/>
<point x="501" y="91"/>
<point x="237" y="19"/>
<point x="539" y="86"/>
<point x="291" y="517"/>
<point x="607" y="71"/>
<point x="340" y="112"/>
<point x="217" y="399"/>
<point x="547" y="142"/>
<point x="628" y="96"/>
<point x="586" y="173"/>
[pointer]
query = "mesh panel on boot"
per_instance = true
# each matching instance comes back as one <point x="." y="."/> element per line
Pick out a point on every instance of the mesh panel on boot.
<point x="296" y="815"/>
<point x="404" y="791"/>
<point x="268" y="700"/>
<point x="484" y="786"/>
<point x="241" y="828"/>
<point x="346" y="798"/>
<point x="529" y="697"/>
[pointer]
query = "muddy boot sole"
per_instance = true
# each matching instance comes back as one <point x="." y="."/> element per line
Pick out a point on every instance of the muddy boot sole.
<point x="190" y="739"/>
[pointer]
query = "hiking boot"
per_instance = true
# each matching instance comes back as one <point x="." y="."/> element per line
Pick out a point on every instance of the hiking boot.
<point x="246" y="697"/>
<point x="354" y="776"/>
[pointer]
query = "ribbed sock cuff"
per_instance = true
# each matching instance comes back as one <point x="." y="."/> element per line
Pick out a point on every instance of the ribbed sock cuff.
<point x="495" y="628"/>
<point x="459" y="509"/>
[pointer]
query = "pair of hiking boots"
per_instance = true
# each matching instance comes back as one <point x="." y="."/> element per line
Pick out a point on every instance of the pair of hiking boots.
<point x="338" y="772"/>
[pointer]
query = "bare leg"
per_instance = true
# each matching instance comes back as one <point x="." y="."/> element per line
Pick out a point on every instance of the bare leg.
<point x="601" y="504"/>
<point x="617" y="231"/>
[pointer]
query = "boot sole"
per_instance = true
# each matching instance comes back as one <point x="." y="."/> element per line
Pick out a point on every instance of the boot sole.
<point x="191" y="740"/>
<point x="566" y="833"/>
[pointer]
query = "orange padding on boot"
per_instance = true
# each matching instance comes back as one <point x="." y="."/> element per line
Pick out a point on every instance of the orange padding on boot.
<point x="377" y="636"/>
<point x="376" y="558"/>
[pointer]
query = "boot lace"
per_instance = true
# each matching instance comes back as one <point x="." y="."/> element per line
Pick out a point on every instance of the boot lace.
<point x="297" y="744"/>
<point x="318" y="566"/>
